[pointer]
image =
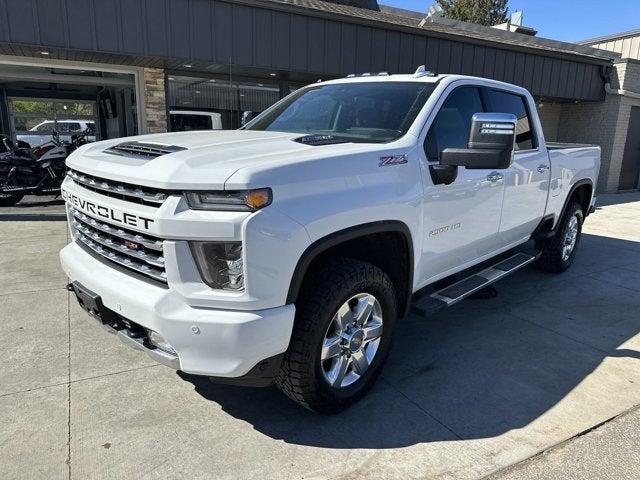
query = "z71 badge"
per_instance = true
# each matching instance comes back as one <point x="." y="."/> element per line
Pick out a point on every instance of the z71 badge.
<point x="390" y="160"/>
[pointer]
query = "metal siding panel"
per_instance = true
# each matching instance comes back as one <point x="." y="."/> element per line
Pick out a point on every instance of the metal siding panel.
<point x="538" y="70"/>
<point x="132" y="31"/>
<point x="420" y="51"/>
<point x="479" y="53"/>
<point x="299" y="39"/>
<point x="406" y="54"/>
<point x="4" y="22"/>
<point x="556" y="75"/>
<point x="580" y="91"/>
<point x="432" y="55"/>
<point x="79" y="18"/>
<point x="263" y="38"/>
<point x="489" y="63"/>
<point x="456" y="57"/>
<point x="378" y="48"/>
<point x="316" y="51"/>
<point x="242" y="35"/>
<point x="392" y="52"/>
<point x="468" y="52"/>
<point x="22" y="21"/>
<point x="107" y="25"/>
<point x="570" y="86"/>
<point x="529" y="71"/>
<point x="564" y="78"/>
<point x="501" y="59"/>
<point x="348" y="48"/>
<point x="179" y="37"/>
<point x="332" y="48"/>
<point x="444" y="56"/>
<point x="509" y="66"/>
<point x="222" y="31"/>
<point x="202" y="48"/>
<point x="50" y="22"/>
<point x="363" y="49"/>
<point x="519" y="69"/>
<point x="156" y="15"/>
<point x="546" y="76"/>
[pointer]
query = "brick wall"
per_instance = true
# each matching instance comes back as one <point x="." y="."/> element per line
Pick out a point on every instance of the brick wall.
<point x="604" y="123"/>
<point x="156" y="104"/>
<point x="550" y="117"/>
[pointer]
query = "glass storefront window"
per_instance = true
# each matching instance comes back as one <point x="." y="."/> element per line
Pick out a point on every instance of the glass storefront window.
<point x="232" y="100"/>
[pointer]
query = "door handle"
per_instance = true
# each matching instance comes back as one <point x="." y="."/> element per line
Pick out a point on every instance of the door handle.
<point x="543" y="168"/>
<point x="494" y="177"/>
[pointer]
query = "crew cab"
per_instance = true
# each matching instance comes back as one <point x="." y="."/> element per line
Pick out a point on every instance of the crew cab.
<point x="285" y="252"/>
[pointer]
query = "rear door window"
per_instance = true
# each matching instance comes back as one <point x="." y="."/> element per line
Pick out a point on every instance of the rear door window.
<point x="450" y="128"/>
<point x="505" y="102"/>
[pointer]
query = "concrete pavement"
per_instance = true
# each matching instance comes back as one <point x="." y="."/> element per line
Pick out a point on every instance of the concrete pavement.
<point x="480" y="387"/>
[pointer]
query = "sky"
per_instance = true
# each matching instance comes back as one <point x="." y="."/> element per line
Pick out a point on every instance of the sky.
<point x="567" y="20"/>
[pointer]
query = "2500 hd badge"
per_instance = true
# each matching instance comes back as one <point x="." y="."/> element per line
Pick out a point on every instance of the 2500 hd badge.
<point x="106" y="212"/>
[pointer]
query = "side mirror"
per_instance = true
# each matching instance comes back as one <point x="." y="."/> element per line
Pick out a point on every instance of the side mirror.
<point x="491" y="143"/>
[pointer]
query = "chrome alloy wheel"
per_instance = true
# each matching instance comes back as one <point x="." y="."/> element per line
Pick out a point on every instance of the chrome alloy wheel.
<point x="570" y="238"/>
<point x="352" y="340"/>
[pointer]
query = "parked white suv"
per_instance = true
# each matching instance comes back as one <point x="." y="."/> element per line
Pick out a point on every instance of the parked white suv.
<point x="286" y="251"/>
<point x="43" y="132"/>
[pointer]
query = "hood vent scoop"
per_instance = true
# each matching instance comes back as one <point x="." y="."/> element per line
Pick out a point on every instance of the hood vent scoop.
<point x="143" y="150"/>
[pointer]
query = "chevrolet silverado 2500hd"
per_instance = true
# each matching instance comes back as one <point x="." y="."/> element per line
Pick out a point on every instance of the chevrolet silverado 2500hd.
<point x="285" y="251"/>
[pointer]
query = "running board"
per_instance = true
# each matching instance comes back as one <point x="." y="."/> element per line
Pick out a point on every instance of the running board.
<point x="460" y="290"/>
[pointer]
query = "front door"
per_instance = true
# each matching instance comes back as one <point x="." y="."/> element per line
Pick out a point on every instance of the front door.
<point x="461" y="220"/>
<point x="631" y="159"/>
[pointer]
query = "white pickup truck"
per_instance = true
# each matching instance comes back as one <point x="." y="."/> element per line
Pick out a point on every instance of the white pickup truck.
<point x="286" y="251"/>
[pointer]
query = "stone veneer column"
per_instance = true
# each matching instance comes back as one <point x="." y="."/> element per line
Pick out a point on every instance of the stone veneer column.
<point x="155" y="101"/>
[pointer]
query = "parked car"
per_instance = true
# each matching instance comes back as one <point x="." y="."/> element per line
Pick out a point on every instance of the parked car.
<point x="287" y="251"/>
<point x="43" y="132"/>
<point x="187" y="120"/>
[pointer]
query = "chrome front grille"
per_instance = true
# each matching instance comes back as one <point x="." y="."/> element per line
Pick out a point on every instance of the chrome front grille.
<point x="141" y="253"/>
<point x="124" y="191"/>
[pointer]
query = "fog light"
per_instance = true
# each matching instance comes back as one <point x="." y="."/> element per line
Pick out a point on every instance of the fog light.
<point x="160" y="343"/>
<point x="220" y="264"/>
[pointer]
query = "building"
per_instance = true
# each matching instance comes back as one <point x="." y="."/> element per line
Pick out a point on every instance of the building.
<point x="126" y="64"/>
<point x="622" y="107"/>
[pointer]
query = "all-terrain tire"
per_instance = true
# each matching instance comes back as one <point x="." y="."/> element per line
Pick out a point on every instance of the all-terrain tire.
<point x="329" y="287"/>
<point x="553" y="259"/>
<point x="9" y="200"/>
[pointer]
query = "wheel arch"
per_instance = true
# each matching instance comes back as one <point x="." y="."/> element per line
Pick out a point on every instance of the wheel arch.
<point x="336" y="242"/>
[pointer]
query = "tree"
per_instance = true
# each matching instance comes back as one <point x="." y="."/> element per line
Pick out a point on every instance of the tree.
<point x="482" y="12"/>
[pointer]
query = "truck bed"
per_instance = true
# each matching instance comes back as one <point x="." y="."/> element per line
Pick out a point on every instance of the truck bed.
<point x="561" y="146"/>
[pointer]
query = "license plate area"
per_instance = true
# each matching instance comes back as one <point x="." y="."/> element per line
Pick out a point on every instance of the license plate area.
<point x="92" y="304"/>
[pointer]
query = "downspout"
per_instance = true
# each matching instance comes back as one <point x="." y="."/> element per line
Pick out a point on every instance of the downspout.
<point x="605" y="73"/>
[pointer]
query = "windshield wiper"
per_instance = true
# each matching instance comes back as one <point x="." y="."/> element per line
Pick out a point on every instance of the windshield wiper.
<point x="321" y="139"/>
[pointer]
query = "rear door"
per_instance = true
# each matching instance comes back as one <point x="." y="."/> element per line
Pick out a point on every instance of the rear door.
<point x="527" y="180"/>
<point x="461" y="220"/>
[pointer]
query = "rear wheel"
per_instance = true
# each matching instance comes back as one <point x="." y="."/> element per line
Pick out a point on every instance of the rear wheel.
<point x="6" y="199"/>
<point x="341" y="337"/>
<point x="559" y="251"/>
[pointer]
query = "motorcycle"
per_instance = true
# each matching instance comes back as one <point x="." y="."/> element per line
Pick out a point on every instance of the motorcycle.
<point x="36" y="172"/>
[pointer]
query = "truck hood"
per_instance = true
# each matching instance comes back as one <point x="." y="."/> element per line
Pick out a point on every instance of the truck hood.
<point x="206" y="159"/>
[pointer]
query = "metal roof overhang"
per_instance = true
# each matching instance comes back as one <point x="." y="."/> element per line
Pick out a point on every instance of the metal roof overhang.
<point x="258" y="37"/>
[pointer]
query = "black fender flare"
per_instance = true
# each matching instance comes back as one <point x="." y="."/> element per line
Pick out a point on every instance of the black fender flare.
<point x="542" y="233"/>
<point x="341" y="236"/>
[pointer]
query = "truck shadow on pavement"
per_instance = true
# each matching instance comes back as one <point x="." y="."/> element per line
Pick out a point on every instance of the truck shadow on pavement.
<point x="483" y="367"/>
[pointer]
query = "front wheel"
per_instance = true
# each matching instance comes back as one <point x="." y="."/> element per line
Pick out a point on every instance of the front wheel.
<point x="341" y="337"/>
<point x="7" y="200"/>
<point x="559" y="251"/>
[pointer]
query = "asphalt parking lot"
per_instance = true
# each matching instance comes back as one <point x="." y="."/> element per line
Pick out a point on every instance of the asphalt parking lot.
<point x="480" y="387"/>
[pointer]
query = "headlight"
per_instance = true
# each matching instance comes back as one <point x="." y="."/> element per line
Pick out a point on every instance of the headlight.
<point x="237" y="201"/>
<point x="220" y="264"/>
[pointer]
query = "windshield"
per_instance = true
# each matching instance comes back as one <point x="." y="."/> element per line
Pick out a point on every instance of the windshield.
<point x="360" y="112"/>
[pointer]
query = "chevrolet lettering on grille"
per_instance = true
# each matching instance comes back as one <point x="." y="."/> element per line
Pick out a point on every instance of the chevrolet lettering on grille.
<point x="107" y="213"/>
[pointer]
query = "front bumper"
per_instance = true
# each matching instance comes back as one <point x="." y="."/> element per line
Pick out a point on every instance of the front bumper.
<point x="212" y="342"/>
